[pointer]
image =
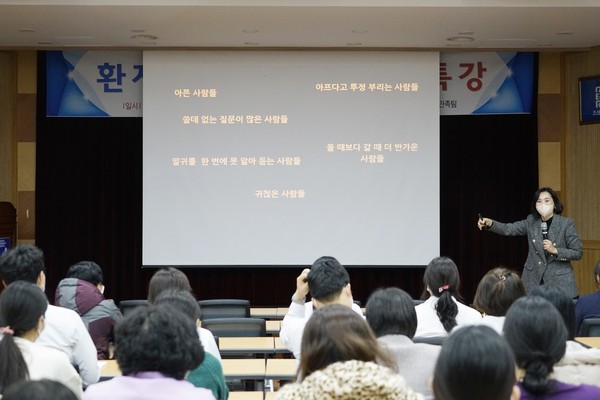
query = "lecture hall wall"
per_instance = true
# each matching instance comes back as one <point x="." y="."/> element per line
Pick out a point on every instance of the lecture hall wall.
<point x="568" y="152"/>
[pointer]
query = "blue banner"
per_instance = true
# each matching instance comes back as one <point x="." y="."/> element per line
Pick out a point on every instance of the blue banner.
<point x="589" y="99"/>
<point x="94" y="83"/>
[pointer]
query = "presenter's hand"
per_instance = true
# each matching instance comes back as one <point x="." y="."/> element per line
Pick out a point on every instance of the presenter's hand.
<point x="549" y="247"/>
<point x="301" y="286"/>
<point x="484" y="223"/>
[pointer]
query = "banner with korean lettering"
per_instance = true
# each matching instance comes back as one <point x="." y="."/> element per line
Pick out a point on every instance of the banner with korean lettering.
<point x="486" y="83"/>
<point x="94" y="83"/>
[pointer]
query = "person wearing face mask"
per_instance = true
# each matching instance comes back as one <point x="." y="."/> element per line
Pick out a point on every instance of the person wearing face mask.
<point x="83" y="292"/>
<point x="553" y="242"/>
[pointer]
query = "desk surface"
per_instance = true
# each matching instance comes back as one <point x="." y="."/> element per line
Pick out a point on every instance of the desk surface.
<point x="109" y="368"/>
<point x="247" y="368"/>
<point x="589" y="341"/>
<point x="246" y="344"/>
<point x="281" y="368"/>
<point x="252" y="395"/>
<point x="273" y="326"/>
<point x="263" y="312"/>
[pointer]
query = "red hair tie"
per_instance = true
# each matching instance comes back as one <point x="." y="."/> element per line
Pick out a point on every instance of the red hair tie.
<point x="5" y="330"/>
<point x="443" y="287"/>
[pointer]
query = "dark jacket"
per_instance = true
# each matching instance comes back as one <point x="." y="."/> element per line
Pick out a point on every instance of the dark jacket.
<point x="98" y="314"/>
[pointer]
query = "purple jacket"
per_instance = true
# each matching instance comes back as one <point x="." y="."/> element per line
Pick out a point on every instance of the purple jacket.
<point x="98" y="314"/>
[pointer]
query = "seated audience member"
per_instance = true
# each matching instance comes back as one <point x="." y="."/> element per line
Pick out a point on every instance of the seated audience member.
<point x="155" y="347"/>
<point x="588" y="306"/>
<point x="209" y="374"/>
<point x="328" y="283"/>
<point x="391" y="314"/>
<point x="579" y="364"/>
<point x="22" y="308"/>
<point x="172" y="278"/>
<point x="342" y="359"/>
<point x="475" y="363"/>
<point x="496" y="292"/>
<point x="43" y="389"/>
<point x="441" y="312"/>
<point x="64" y="329"/>
<point x="83" y="292"/>
<point x="537" y="335"/>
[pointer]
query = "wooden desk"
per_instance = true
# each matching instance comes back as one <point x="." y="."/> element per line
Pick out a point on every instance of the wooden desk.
<point x="589" y="341"/>
<point x="258" y="345"/>
<point x="252" y="395"/>
<point x="247" y="368"/>
<point x="279" y="347"/>
<point x="273" y="327"/>
<point x="263" y="312"/>
<point x="281" y="368"/>
<point x="109" y="369"/>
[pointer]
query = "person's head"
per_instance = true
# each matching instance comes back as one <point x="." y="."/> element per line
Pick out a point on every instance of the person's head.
<point x="497" y="290"/>
<point x="545" y="202"/>
<point x="475" y="363"/>
<point x="562" y="302"/>
<point x="442" y="280"/>
<point x="87" y="271"/>
<point x="22" y="308"/>
<point x="25" y="262"/>
<point x="43" y="389"/>
<point x="183" y="300"/>
<point x="329" y="283"/>
<point x="167" y="278"/>
<point x="537" y="335"/>
<point x="337" y="333"/>
<point x="157" y="338"/>
<point x="391" y="311"/>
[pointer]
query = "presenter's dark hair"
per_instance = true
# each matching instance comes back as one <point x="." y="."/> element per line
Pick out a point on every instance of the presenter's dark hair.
<point x="474" y="363"/>
<point x="22" y="263"/>
<point x="558" y="206"/>
<point x="157" y="338"/>
<point x="183" y="300"/>
<point x="87" y="271"/>
<point x="21" y="306"/>
<point x="562" y="302"/>
<point x="497" y="290"/>
<point x="336" y="333"/>
<point x="442" y="278"/>
<point x="167" y="278"/>
<point x="327" y="278"/>
<point x="43" y="389"/>
<point x="537" y="335"/>
<point x="391" y="311"/>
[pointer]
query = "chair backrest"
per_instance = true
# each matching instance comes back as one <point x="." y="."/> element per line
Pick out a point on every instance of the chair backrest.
<point x="224" y="308"/>
<point x="416" y="302"/>
<point x="590" y="327"/>
<point x="126" y="306"/>
<point x="236" y="327"/>
<point x="437" y="340"/>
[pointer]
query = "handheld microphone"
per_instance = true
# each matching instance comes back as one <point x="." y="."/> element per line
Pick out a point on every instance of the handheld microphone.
<point x="544" y="230"/>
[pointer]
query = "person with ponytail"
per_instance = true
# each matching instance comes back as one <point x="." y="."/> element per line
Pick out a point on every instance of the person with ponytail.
<point x="22" y="308"/>
<point x="535" y="331"/>
<point x="441" y="312"/>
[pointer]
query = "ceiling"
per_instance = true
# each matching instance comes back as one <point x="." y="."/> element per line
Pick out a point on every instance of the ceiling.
<point x="535" y="25"/>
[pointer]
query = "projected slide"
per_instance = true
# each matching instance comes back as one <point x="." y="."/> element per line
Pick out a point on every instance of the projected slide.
<point x="278" y="158"/>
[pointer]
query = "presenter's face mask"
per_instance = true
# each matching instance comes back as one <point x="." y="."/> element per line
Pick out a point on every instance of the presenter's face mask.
<point x="545" y="205"/>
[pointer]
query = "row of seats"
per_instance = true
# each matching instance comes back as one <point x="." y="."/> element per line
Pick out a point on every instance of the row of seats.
<point x="209" y="309"/>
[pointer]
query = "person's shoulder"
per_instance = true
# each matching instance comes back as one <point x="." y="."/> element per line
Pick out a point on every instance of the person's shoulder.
<point x="56" y="312"/>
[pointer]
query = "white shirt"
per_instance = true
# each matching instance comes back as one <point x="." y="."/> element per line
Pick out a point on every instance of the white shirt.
<point x="209" y="343"/>
<point x="66" y="332"/>
<point x="428" y="322"/>
<point x="46" y="363"/>
<point x="293" y="324"/>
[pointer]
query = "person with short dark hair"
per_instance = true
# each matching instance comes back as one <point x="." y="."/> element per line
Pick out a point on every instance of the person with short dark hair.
<point x="553" y="242"/>
<point x="22" y="308"/>
<point x="155" y="347"/>
<point x="588" y="306"/>
<point x="83" y="292"/>
<point x="172" y="278"/>
<point x="43" y="389"/>
<point x="441" y="312"/>
<point x="580" y="364"/>
<point x="64" y="329"/>
<point x="536" y="332"/>
<point x="475" y="363"/>
<point x="495" y="293"/>
<point x="391" y="314"/>
<point x="209" y="374"/>
<point x="342" y="359"/>
<point x="328" y="283"/>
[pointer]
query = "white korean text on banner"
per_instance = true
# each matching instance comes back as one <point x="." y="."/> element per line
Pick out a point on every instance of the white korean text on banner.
<point x="486" y="83"/>
<point x="94" y="83"/>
